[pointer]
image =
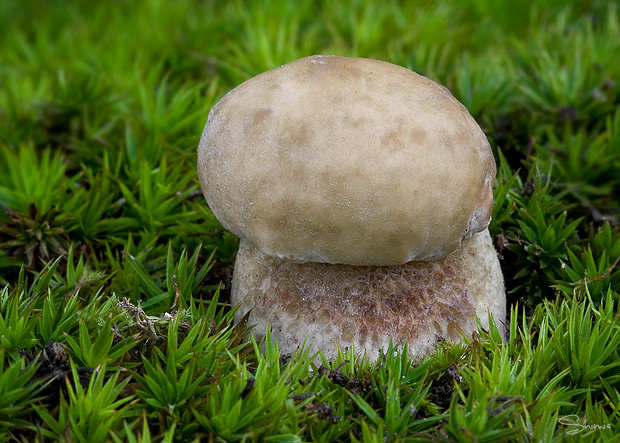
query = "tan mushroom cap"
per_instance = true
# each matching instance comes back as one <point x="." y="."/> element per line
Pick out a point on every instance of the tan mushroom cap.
<point x="346" y="160"/>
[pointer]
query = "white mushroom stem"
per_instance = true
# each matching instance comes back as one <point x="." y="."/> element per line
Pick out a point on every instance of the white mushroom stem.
<point x="362" y="306"/>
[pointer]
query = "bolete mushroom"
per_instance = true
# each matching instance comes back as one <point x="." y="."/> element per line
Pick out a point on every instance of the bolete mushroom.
<point x="361" y="192"/>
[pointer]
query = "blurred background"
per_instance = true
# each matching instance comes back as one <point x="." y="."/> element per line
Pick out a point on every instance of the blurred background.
<point x="102" y="105"/>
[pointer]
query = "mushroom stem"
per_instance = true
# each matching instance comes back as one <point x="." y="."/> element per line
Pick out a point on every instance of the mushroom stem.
<point x="362" y="306"/>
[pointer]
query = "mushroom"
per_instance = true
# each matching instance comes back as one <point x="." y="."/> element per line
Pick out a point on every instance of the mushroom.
<point x="361" y="193"/>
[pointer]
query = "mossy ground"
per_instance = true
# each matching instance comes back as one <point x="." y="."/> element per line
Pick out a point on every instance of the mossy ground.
<point x="114" y="323"/>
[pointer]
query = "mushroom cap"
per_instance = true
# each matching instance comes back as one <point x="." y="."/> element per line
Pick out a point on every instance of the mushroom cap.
<point x="346" y="160"/>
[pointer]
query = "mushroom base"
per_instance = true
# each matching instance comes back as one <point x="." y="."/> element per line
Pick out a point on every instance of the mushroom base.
<point x="362" y="306"/>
